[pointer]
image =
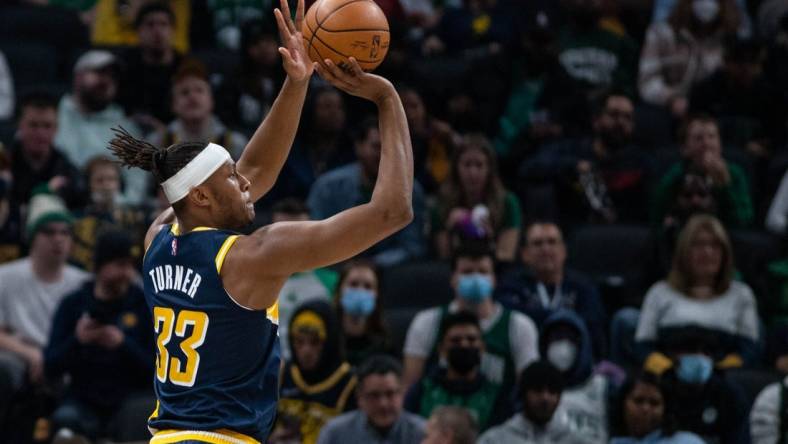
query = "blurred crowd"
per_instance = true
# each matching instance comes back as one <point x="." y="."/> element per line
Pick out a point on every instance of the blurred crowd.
<point x="597" y="253"/>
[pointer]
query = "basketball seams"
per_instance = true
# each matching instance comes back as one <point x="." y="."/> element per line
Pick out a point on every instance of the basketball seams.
<point x="320" y="22"/>
<point x="354" y="30"/>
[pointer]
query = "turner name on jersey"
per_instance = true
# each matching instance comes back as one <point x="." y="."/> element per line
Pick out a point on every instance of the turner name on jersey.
<point x="175" y="277"/>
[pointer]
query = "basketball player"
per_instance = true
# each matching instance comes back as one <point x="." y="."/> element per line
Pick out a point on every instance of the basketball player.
<point x="213" y="292"/>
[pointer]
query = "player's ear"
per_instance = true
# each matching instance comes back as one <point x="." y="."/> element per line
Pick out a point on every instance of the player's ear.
<point x="200" y="196"/>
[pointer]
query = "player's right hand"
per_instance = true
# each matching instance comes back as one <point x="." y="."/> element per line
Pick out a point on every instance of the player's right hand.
<point x="354" y="81"/>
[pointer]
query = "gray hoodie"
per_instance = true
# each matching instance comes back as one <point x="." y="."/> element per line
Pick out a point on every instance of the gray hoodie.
<point x="519" y="430"/>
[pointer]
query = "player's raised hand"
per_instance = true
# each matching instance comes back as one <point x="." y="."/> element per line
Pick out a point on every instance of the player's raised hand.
<point x="354" y="81"/>
<point x="294" y="56"/>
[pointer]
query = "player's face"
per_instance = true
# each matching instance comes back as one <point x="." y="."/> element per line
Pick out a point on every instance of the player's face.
<point x="473" y="169"/>
<point x="231" y="191"/>
<point x="307" y="348"/>
<point x="380" y="398"/>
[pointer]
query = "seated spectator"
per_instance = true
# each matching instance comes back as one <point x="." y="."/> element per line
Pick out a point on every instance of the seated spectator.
<point x="301" y="287"/>
<point x="6" y="90"/>
<point x="34" y="158"/>
<point x="101" y="338"/>
<point x="474" y="205"/>
<point x="594" y="57"/>
<point x="230" y="18"/>
<point x="114" y="22"/>
<point x="149" y="68"/>
<point x="601" y="178"/>
<point x="433" y="140"/>
<point x="30" y="290"/>
<point x="543" y="284"/>
<point x="540" y="391"/>
<point x="450" y="425"/>
<point x="777" y="217"/>
<point x="322" y="144"/>
<point x="700" y="291"/>
<point x="565" y="343"/>
<point x="510" y="338"/>
<point x="86" y="116"/>
<point x="195" y="121"/>
<point x="706" y="402"/>
<point x="683" y="50"/>
<point x="767" y="417"/>
<point x="351" y="185"/>
<point x="244" y="99"/>
<point x="380" y="417"/>
<point x="317" y="382"/>
<point x="645" y="414"/>
<point x="701" y="153"/>
<point x="459" y="382"/>
<point x="105" y="209"/>
<point x="471" y="27"/>
<point x="662" y="10"/>
<point x="753" y="110"/>
<point x="357" y="303"/>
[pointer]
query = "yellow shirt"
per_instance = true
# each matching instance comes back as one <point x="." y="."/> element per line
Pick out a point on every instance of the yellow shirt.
<point x="115" y="26"/>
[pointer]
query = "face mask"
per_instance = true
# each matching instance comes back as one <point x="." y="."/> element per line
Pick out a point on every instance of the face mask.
<point x="463" y="359"/>
<point x="705" y="10"/>
<point x="358" y="301"/>
<point x="474" y="287"/>
<point x="562" y="354"/>
<point x="694" y="369"/>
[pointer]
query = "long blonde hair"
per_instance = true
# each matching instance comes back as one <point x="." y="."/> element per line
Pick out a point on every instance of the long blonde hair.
<point x="681" y="277"/>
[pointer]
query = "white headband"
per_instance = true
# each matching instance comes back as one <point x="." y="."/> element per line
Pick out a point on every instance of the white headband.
<point x="195" y="172"/>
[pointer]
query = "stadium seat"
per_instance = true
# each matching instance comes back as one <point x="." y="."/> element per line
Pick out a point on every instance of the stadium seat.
<point x="752" y="252"/>
<point x="397" y="321"/>
<point x="32" y="64"/>
<point x="418" y="284"/>
<point x="751" y="381"/>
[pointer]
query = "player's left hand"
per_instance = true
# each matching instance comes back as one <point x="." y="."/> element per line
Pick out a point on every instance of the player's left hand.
<point x="295" y="59"/>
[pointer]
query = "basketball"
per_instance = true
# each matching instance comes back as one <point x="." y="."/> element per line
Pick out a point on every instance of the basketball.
<point x="339" y="29"/>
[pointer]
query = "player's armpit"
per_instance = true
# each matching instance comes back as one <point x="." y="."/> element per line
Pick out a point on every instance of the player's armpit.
<point x="166" y="217"/>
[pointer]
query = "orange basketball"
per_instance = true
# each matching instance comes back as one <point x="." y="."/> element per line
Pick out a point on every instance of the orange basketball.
<point x="338" y="29"/>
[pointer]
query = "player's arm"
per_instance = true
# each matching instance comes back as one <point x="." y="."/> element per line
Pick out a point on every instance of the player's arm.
<point x="267" y="150"/>
<point x="166" y="217"/>
<point x="278" y="250"/>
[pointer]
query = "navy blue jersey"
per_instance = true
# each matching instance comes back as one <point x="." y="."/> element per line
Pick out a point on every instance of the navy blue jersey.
<point x="217" y="363"/>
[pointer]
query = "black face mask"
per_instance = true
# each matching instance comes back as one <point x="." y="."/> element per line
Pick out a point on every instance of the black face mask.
<point x="464" y="359"/>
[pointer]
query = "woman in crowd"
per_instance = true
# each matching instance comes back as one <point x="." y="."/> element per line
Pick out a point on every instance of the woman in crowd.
<point x="473" y="203"/>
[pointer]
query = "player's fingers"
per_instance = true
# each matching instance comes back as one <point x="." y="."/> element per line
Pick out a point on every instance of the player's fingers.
<point x="288" y="17"/>
<point x="334" y="75"/>
<point x="299" y="18"/>
<point x="355" y="68"/>
<point x="284" y="31"/>
<point x="286" y="55"/>
<point x="339" y="72"/>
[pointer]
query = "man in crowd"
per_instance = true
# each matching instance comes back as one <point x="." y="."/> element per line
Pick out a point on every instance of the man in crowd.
<point x="450" y="425"/>
<point x="380" y="417"/>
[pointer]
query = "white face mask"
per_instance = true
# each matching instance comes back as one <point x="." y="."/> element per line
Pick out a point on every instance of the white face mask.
<point x="562" y="354"/>
<point x="705" y="10"/>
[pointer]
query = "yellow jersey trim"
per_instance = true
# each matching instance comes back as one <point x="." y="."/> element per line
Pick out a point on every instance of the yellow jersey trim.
<point x="221" y="436"/>
<point x="155" y="413"/>
<point x="320" y="386"/>
<point x="176" y="229"/>
<point x="226" y="245"/>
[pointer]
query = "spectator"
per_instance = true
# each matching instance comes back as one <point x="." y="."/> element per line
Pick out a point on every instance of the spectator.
<point x="317" y="382"/>
<point x="753" y="111"/>
<point x="460" y="382"/>
<point x="458" y="31"/>
<point x="432" y="139"/>
<point x="6" y="90"/>
<point x="662" y="10"/>
<point x="302" y="287"/>
<point x="230" y="19"/>
<point x="114" y="22"/>
<point x="700" y="291"/>
<point x="192" y="104"/>
<point x="683" y="50"/>
<point x="101" y="338"/>
<point x="777" y="217"/>
<point x="510" y="338"/>
<point x="246" y="97"/>
<point x="602" y="178"/>
<point x="86" y="116"/>
<point x="565" y="342"/>
<point x="543" y="284"/>
<point x="706" y="402"/>
<point x="380" y="417"/>
<point x="149" y="68"/>
<point x="105" y="209"/>
<point x="474" y="203"/>
<point x="594" y="57"/>
<point x="34" y="158"/>
<point x="450" y="425"/>
<point x="352" y="184"/>
<point x="322" y="144"/>
<point x="30" y="290"/>
<point x="540" y="394"/>
<point x="357" y="303"/>
<point x="645" y="413"/>
<point x="767" y="418"/>
<point x="701" y="153"/>
<point x="10" y="231"/>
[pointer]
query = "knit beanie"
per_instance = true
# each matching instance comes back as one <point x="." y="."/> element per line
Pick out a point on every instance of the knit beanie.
<point x="112" y="245"/>
<point x="44" y="208"/>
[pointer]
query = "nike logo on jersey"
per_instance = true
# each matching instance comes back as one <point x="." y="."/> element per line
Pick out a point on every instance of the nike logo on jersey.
<point x="178" y="277"/>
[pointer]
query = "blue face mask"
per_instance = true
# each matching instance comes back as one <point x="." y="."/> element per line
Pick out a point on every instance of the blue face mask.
<point x="358" y="301"/>
<point x="694" y="369"/>
<point x="474" y="287"/>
